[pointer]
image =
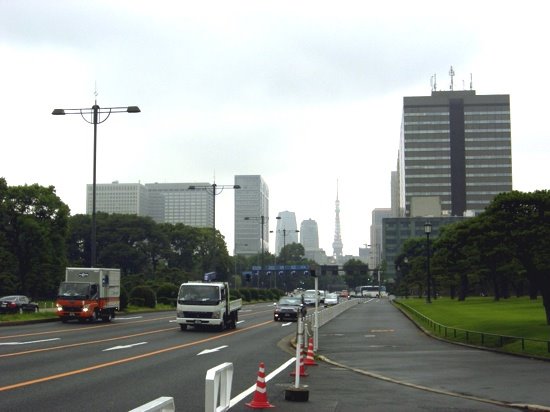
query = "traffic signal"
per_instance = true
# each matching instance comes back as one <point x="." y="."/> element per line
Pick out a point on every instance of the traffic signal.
<point x="312" y="273"/>
<point x="247" y="276"/>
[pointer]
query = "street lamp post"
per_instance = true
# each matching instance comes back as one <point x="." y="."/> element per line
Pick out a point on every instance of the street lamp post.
<point x="95" y="111"/>
<point x="214" y="189"/>
<point x="428" y="230"/>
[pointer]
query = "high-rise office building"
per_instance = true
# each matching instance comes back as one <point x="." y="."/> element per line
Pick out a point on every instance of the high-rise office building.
<point x="176" y="203"/>
<point x="164" y="202"/>
<point x="455" y="153"/>
<point x="286" y="232"/>
<point x="124" y="198"/>
<point x="309" y="235"/>
<point x="251" y="215"/>
<point x="376" y="255"/>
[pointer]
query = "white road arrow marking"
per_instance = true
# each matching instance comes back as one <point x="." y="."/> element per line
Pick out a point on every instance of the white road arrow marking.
<point x="204" y="352"/>
<point x="124" y="346"/>
<point x="29" y="342"/>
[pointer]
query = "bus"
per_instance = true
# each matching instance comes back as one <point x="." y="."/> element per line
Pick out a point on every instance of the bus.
<point x="371" y="291"/>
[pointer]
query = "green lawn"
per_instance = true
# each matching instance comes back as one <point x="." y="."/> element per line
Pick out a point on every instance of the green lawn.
<point x="519" y="317"/>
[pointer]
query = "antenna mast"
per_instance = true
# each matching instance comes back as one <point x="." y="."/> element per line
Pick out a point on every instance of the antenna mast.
<point x="452" y="74"/>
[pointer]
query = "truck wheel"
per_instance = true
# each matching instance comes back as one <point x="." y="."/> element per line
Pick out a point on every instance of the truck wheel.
<point x="93" y="318"/>
<point x="106" y="318"/>
<point x="183" y="327"/>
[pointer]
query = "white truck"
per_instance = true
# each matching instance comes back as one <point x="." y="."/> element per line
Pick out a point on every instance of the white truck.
<point x="89" y="294"/>
<point x="207" y="304"/>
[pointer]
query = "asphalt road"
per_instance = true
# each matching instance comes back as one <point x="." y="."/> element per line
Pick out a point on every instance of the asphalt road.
<point x="130" y="361"/>
<point x="375" y="359"/>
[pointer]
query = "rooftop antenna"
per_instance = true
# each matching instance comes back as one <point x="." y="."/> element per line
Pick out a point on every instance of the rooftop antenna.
<point x="452" y="74"/>
<point x="471" y="82"/>
<point x="433" y="82"/>
<point x="95" y="92"/>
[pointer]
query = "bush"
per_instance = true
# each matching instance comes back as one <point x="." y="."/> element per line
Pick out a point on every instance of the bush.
<point x="168" y="291"/>
<point x="123" y="298"/>
<point x="145" y="293"/>
<point x="245" y="293"/>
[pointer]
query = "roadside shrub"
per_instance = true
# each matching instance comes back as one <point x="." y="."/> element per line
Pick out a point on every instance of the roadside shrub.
<point x="123" y="298"/>
<point x="245" y="294"/>
<point x="145" y="293"/>
<point x="235" y="294"/>
<point x="167" y="294"/>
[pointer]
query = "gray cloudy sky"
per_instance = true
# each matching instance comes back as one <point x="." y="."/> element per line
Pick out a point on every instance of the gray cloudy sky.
<point x="301" y="92"/>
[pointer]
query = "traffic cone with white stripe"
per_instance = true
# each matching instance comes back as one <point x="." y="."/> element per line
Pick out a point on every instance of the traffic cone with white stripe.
<point x="310" y="358"/>
<point x="302" y="368"/>
<point x="260" y="395"/>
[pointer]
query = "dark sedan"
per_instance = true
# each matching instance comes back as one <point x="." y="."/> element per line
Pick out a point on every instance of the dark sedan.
<point x="288" y="308"/>
<point x="17" y="304"/>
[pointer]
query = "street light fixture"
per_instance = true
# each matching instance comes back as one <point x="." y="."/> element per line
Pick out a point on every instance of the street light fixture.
<point x="95" y="111"/>
<point x="427" y="231"/>
<point x="214" y="189"/>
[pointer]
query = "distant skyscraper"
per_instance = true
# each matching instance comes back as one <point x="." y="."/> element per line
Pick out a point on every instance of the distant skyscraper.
<point x="376" y="238"/>
<point x="337" y="245"/>
<point x="164" y="202"/>
<point x="175" y="203"/>
<point x="287" y="232"/>
<point x="123" y="198"/>
<point x="455" y="153"/>
<point x="251" y="203"/>
<point x="309" y="235"/>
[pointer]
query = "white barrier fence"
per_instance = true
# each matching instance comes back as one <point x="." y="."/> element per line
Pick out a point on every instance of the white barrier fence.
<point x="325" y="315"/>
<point x="162" y="404"/>
<point x="217" y="391"/>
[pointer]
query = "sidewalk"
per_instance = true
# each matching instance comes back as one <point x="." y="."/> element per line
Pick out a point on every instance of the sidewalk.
<point x="373" y="358"/>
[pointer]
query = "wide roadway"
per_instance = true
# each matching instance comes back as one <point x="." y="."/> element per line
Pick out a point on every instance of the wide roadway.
<point x="134" y="359"/>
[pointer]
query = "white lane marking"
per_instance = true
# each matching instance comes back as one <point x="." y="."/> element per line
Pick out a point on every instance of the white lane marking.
<point x="240" y="321"/>
<point x="124" y="346"/>
<point x="286" y="324"/>
<point x="29" y="342"/>
<point x="247" y="392"/>
<point x="129" y="317"/>
<point x="204" y="352"/>
<point x="172" y="321"/>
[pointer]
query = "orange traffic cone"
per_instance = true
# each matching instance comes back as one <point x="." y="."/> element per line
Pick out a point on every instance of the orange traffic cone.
<point x="302" y="366"/>
<point x="310" y="358"/>
<point x="260" y="396"/>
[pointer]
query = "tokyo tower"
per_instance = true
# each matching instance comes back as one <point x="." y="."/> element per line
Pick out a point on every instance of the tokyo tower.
<point x="337" y="245"/>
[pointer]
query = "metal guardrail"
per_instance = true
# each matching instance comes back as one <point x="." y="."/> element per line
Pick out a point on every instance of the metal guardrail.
<point x="488" y="340"/>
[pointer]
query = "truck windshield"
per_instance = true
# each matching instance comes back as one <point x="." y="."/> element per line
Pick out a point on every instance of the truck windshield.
<point x="74" y="290"/>
<point x="198" y="295"/>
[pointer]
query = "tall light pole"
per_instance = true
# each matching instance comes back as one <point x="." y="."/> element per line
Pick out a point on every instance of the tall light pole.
<point x="95" y="111"/>
<point x="214" y="189"/>
<point x="428" y="230"/>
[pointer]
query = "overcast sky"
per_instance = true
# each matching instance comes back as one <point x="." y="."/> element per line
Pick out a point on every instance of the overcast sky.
<point x="304" y="93"/>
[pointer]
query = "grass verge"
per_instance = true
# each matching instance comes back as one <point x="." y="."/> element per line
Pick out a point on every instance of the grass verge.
<point x="516" y="325"/>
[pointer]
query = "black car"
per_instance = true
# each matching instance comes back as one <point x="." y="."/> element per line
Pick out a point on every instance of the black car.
<point x="17" y="304"/>
<point x="288" y="308"/>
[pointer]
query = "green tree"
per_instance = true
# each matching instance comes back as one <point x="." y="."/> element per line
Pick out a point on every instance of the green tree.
<point x="33" y="227"/>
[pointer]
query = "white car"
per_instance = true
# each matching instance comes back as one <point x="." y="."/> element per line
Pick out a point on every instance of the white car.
<point x="331" y="299"/>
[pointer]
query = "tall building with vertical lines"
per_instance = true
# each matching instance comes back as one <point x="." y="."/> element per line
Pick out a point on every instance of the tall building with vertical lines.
<point x="455" y="153"/>
<point x="251" y="215"/>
